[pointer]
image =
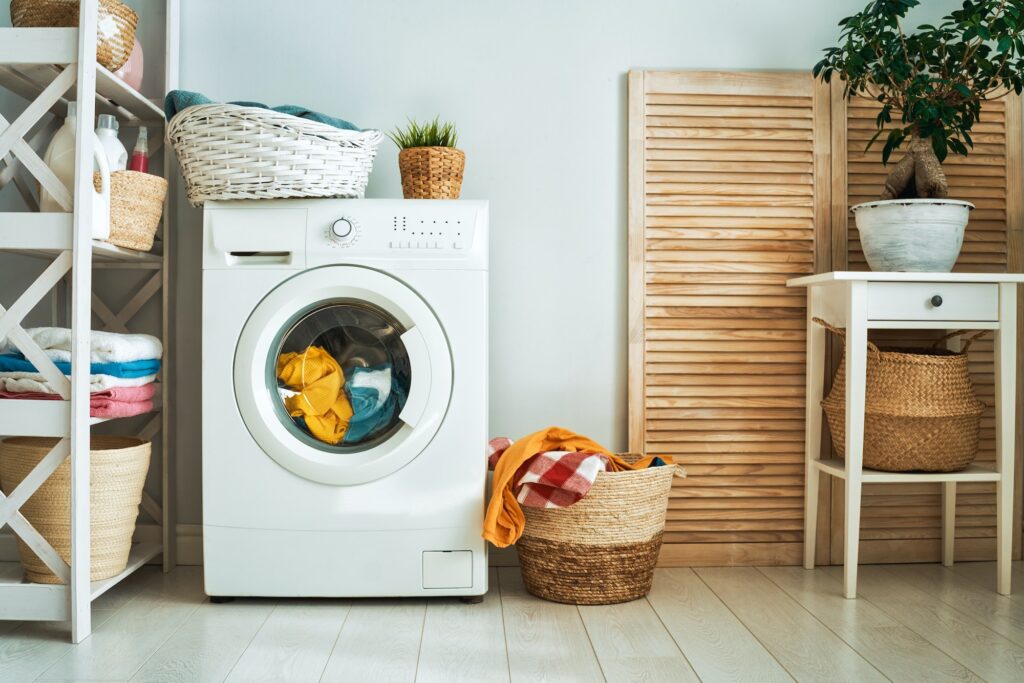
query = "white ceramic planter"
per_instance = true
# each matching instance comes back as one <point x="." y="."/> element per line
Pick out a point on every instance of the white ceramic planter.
<point x="912" y="235"/>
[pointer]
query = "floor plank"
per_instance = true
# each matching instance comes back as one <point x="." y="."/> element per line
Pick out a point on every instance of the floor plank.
<point x="990" y="608"/>
<point x="32" y="647"/>
<point x="464" y="642"/>
<point x="379" y="642"/>
<point x="984" y="574"/>
<point x="122" y="644"/>
<point x="980" y="649"/>
<point x="546" y="641"/>
<point x="717" y="644"/>
<point x="293" y="644"/>
<point x="893" y="649"/>
<point x="808" y="650"/>
<point x="632" y="644"/>
<point x="209" y="644"/>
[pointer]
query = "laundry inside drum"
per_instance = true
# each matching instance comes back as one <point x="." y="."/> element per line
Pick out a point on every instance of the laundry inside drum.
<point x="341" y="376"/>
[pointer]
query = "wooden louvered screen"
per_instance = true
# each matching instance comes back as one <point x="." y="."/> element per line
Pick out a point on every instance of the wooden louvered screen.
<point x="902" y="524"/>
<point x="729" y="195"/>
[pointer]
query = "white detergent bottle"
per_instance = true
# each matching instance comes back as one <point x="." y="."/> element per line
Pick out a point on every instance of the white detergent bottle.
<point x="60" y="158"/>
<point x="106" y="131"/>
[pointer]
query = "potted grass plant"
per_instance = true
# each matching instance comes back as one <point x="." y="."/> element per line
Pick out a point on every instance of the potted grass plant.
<point x="930" y="84"/>
<point x="430" y="163"/>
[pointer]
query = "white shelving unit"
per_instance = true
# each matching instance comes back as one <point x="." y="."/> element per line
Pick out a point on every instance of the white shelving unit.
<point x="50" y="67"/>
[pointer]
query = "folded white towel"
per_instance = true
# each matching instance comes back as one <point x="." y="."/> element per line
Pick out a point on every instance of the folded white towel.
<point x="106" y="347"/>
<point x="21" y="382"/>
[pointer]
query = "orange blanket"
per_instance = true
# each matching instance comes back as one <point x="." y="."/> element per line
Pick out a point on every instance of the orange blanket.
<point x="504" y="520"/>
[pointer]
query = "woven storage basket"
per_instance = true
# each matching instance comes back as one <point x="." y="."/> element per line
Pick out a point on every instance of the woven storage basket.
<point x="603" y="549"/>
<point x="921" y="412"/>
<point x="431" y="172"/>
<point x="117" y="472"/>
<point x="115" y="33"/>
<point x="228" y="151"/>
<point x="136" y="204"/>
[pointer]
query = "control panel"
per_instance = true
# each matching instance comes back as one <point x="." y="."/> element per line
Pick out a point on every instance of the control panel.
<point x="441" y="231"/>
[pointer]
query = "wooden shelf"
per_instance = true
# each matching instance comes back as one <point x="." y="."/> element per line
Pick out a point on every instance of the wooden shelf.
<point x="837" y="468"/>
<point x="45" y="235"/>
<point x="140" y="554"/>
<point x="29" y="78"/>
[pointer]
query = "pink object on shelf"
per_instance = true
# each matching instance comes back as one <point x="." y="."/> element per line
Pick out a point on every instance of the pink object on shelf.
<point x="131" y="72"/>
<point x="111" y="403"/>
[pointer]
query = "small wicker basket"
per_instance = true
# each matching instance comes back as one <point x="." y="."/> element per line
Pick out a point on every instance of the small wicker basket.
<point x="920" y="413"/>
<point x="115" y="29"/>
<point x="228" y="151"/>
<point x="431" y="172"/>
<point x="136" y="205"/>
<point x="117" y="472"/>
<point x="603" y="549"/>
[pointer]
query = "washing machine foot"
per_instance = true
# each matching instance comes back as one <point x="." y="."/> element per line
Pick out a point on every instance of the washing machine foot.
<point x="471" y="599"/>
<point x="221" y="599"/>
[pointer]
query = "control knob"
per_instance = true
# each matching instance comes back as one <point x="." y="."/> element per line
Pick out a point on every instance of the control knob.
<point x="343" y="230"/>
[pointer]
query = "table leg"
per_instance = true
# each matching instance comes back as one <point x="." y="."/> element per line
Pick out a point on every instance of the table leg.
<point x="812" y="419"/>
<point x="1005" y="377"/>
<point x="856" y="368"/>
<point x="948" y="521"/>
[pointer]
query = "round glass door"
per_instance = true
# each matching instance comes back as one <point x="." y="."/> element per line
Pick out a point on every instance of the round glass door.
<point x="342" y="374"/>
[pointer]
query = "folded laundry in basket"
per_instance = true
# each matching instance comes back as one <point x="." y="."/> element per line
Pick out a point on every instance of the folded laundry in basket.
<point x="318" y="399"/>
<point x="177" y="100"/>
<point x="555" y="466"/>
<point x="376" y="398"/>
<point x="117" y="402"/>
<point x="15" y="362"/>
<point x="105" y="347"/>
<point x="33" y="381"/>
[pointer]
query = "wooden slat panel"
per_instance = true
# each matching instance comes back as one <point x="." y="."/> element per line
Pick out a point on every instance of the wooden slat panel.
<point x="902" y="523"/>
<point x="729" y="198"/>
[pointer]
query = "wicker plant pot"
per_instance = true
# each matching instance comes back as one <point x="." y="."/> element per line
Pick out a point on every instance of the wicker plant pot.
<point x="115" y="32"/>
<point x="921" y="412"/>
<point x="136" y="205"/>
<point x="431" y="172"/>
<point x="117" y="472"/>
<point x="227" y="151"/>
<point x="603" y="549"/>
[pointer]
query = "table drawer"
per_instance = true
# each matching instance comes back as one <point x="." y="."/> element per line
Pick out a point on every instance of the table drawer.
<point x="933" y="301"/>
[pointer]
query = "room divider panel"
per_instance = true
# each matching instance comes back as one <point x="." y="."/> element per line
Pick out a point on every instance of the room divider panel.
<point x="728" y="198"/>
<point x="737" y="182"/>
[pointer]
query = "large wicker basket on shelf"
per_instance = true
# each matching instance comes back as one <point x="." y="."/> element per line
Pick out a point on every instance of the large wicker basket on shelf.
<point x="115" y="32"/>
<point x="603" y="549"/>
<point x="228" y="151"/>
<point x="136" y="205"/>
<point x="920" y="414"/>
<point x="117" y="472"/>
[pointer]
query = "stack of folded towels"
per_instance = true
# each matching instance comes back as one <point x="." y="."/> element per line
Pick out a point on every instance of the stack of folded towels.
<point x="123" y="368"/>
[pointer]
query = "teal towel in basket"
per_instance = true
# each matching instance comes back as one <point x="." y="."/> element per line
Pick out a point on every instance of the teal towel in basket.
<point x="177" y="100"/>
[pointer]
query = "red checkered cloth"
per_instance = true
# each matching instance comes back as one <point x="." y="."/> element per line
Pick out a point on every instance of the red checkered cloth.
<point x="552" y="479"/>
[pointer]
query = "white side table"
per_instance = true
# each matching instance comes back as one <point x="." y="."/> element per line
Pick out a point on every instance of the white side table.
<point x="944" y="301"/>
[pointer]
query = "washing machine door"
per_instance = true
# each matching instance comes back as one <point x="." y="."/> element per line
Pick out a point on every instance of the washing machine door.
<point x="342" y="374"/>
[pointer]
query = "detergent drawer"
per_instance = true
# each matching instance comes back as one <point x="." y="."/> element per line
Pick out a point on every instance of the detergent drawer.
<point x="254" y="238"/>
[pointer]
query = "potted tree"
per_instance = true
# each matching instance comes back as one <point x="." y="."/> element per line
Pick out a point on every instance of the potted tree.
<point x="429" y="161"/>
<point x="930" y="85"/>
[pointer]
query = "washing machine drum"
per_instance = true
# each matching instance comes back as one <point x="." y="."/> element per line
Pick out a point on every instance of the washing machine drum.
<point x="342" y="374"/>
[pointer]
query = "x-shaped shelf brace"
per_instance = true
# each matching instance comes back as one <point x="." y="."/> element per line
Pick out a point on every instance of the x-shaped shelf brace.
<point x="118" y="322"/>
<point x="10" y="328"/>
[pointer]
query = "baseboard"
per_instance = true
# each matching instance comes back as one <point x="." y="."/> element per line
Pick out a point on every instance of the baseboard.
<point x="189" y="545"/>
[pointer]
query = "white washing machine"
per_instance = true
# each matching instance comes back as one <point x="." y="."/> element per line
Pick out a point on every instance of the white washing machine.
<point x="382" y="492"/>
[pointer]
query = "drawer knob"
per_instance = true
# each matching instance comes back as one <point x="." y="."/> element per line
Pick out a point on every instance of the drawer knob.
<point x="936" y="301"/>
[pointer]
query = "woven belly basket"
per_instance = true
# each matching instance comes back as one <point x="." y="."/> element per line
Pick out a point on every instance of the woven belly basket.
<point x="920" y="414"/>
<point x="603" y="549"/>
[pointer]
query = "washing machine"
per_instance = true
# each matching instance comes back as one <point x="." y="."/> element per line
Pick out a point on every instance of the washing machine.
<point x="344" y="375"/>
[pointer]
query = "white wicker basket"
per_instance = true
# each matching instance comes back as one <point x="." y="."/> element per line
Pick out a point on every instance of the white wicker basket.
<point x="231" y="152"/>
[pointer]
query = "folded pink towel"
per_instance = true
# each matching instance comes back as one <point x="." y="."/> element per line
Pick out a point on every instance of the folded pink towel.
<point x="110" y="403"/>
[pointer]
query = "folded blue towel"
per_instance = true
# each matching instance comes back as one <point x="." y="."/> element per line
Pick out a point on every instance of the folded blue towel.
<point x="376" y="398"/>
<point x="15" y="362"/>
<point x="177" y="100"/>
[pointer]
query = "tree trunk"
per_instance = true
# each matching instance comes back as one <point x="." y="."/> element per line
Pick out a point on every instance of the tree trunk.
<point x="921" y="166"/>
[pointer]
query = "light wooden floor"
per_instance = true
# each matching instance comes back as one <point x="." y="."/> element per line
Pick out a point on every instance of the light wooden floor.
<point x="912" y="622"/>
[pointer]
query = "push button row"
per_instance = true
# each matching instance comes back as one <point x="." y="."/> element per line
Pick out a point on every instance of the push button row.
<point x="424" y="244"/>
